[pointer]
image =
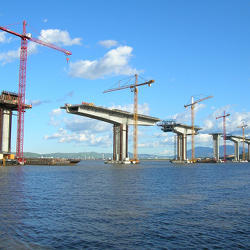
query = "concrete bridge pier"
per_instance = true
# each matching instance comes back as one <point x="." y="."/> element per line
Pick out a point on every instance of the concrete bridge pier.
<point x="184" y="147"/>
<point x="216" y="143"/>
<point x="120" y="142"/>
<point x="182" y="132"/>
<point x="247" y="141"/>
<point x="248" y="153"/>
<point x="181" y="147"/>
<point x="5" y="130"/>
<point x="236" y="151"/>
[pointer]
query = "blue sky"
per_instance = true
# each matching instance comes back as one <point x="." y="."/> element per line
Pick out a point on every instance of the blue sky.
<point x="190" y="48"/>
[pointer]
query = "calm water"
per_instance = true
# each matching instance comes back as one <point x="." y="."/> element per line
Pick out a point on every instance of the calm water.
<point x="150" y="206"/>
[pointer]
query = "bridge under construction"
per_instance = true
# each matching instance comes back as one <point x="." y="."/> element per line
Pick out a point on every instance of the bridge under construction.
<point x="8" y="104"/>
<point x="120" y="120"/>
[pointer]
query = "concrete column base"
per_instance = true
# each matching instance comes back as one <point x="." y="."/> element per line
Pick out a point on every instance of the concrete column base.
<point x="120" y="143"/>
<point x="236" y="151"/>
<point x="5" y="130"/>
<point x="216" y="142"/>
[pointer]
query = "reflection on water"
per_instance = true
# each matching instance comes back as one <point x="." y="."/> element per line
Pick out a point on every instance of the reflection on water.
<point x="150" y="205"/>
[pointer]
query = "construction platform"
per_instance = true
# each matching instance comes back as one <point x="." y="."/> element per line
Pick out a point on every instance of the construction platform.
<point x="8" y="104"/>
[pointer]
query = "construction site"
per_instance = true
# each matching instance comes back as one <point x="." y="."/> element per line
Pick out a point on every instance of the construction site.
<point x="14" y="103"/>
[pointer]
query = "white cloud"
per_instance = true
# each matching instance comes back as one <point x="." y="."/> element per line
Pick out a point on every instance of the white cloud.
<point x="84" y="124"/>
<point x="211" y="124"/>
<point x="55" y="112"/>
<point x="60" y="37"/>
<point x="45" y="20"/>
<point x="108" y="43"/>
<point x="142" y="108"/>
<point x="203" y="139"/>
<point x="36" y="102"/>
<point x="185" y="116"/>
<point x="114" y="62"/>
<point x="11" y="55"/>
<point x="3" y="38"/>
<point x="51" y="36"/>
<point x="63" y="136"/>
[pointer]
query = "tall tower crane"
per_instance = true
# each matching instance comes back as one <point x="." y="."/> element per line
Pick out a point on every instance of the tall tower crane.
<point x="192" y="105"/>
<point x="224" y="132"/>
<point x="134" y="88"/>
<point x="25" y="37"/>
<point x="243" y="126"/>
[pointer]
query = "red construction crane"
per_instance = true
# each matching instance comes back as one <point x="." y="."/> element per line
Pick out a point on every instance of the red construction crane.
<point x="224" y="132"/>
<point x="22" y="83"/>
<point x="192" y="104"/>
<point x="134" y="88"/>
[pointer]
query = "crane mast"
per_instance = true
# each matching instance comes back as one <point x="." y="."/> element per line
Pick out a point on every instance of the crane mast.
<point x="22" y="83"/>
<point x="192" y="105"/>
<point x="21" y="96"/>
<point x="224" y="133"/>
<point x="134" y="88"/>
<point x="135" y="120"/>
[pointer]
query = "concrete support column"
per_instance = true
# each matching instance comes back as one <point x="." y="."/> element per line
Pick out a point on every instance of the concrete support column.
<point x="184" y="147"/>
<point x="216" y="142"/>
<point x="120" y="142"/>
<point x="248" y="153"/>
<point x="5" y="130"/>
<point x="179" y="147"/>
<point x="1" y="129"/>
<point x="114" y="143"/>
<point x="236" y="151"/>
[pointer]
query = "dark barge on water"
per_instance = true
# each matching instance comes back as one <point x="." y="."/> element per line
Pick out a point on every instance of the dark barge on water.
<point x="51" y="161"/>
<point x="41" y="162"/>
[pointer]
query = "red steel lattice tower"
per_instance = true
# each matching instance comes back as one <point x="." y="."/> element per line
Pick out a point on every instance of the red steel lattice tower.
<point x="21" y="96"/>
<point x="22" y="83"/>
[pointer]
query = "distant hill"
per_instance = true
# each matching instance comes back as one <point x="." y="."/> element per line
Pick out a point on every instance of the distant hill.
<point x="199" y="152"/>
<point x="85" y="155"/>
<point x="208" y="152"/>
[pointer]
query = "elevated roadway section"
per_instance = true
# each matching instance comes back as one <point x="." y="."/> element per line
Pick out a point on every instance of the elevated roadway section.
<point x="120" y="120"/>
<point x="237" y="139"/>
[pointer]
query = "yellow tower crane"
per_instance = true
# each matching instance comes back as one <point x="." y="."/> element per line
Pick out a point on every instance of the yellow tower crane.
<point x="192" y="105"/>
<point x="134" y="88"/>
